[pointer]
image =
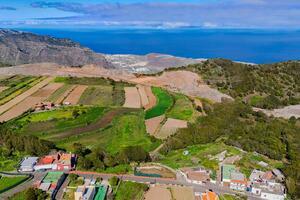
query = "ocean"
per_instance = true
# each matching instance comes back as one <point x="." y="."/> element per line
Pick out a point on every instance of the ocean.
<point x="247" y="45"/>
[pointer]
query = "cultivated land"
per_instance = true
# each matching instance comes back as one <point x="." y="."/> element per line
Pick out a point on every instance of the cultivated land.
<point x="6" y="182"/>
<point x="151" y="98"/>
<point x="30" y="101"/>
<point x="132" y="97"/>
<point x="170" y="127"/>
<point x="59" y="95"/>
<point x="153" y="124"/>
<point x="98" y="95"/>
<point x="75" y="94"/>
<point x="169" y="192"/>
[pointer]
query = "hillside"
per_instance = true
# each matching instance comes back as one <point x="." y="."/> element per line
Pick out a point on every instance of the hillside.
<point x="266" y="86"/>
<point x="18" y="47"/>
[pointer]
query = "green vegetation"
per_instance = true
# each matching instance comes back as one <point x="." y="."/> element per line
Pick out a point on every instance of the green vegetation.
<point x="274" y="85"/>
<point x="83" y="81"/>
<point x="75" y="180"/>
<point x="59" y="92"/>
<point x="97" y="95"/>
<point x="164" y="102"/>
<point x="30" y="194"/>
<point x="239" y="126"/>
<point x="9" y="160"/>
<point x="130" y="191"/>
<point x="183" y="108"/>
<point x="16" y="86"/>
<point x="231" y="197"/>
<point x="8" y="182"/>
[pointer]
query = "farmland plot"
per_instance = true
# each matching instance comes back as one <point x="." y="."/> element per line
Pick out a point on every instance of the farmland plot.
<point x="97" y="95"/>
<point x="143" y="95"/>
<point x="151" y="98"/>
<point x="59" y="95"/>
<point x="170" y="127"/>
<point x="74" y="96"/>
<point x="153" y="124"/>
<point x="132" y="98"/>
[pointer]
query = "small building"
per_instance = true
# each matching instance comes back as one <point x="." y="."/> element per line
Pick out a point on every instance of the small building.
<point x="58" y="161"/>
<point x="240" y="185"/>
<point x="226" y="171"/>
<point x="278" y="174"/>
<point x="27" y="165"/>
<point x="52" y="182"/>
<point x="101" y="192"/>
<point x="85" y="193"/>
<point x="196" y="175"/>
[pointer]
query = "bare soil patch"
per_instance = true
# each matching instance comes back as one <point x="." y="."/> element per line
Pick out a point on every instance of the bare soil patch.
<point x="286" y="112"/>
<point x="156" y="169"/>
<point x="143" y="95"/>
<point x="64" y="95"/>
<point x="163" y="192"/>
<point x="185" y="82"/>
<point x="132" y="98"/>
<point x="153" y="124"/>
<point x="170" y="127"/>
<point x="30" y="101"/>
<point x="75" y="94"/>
<point x="151" y="98"/>
<point x="24" y="95"/>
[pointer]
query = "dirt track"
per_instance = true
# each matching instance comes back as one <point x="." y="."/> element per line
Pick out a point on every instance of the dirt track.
<point x="30" y="101"/>
<point x="24" y="95"/>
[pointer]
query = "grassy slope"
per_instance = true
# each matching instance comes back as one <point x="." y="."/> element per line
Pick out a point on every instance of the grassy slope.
<point x="164" y="102"/>
<point x="130" y="191"/>
<point x="6" y="182"/>
<point x="182" y="109"/>
<point x="274" y="85"/>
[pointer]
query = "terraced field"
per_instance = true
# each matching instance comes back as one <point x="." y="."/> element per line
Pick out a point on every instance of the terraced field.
<point x="97" y="95"/>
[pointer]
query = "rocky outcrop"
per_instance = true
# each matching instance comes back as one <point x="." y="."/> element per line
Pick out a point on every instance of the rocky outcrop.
<point x="18" y="47"/>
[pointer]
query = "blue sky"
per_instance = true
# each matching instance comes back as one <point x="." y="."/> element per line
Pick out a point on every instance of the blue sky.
<point x="152" y="13"/>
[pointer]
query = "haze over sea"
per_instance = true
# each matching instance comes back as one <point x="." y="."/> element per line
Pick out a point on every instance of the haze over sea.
<point x="248" y="45"/>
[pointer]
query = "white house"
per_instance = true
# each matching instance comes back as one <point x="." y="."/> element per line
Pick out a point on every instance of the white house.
<point x="27" y="165"/>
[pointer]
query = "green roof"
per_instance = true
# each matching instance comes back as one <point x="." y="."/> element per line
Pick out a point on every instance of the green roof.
<point x="52" y="177"/>
<point x="227" y="170"/>
<point x="101" y="192"/>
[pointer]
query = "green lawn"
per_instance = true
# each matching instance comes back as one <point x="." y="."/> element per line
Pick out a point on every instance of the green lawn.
<point x="97" y="95"/>
<point x="130" y="191"/>
<point x="183" y="108"/>
<point x="127" y="129"/>
<point x="6" y="182"/>
<point x="164" y="102"/>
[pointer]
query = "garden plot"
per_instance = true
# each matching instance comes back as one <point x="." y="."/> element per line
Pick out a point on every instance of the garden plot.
<point x="170" y="127"/>
<point x="30" y="101"/>
<point x="153" y="124"/>
<point x="132" y="98"/>
<point x="23" y="96"/>
<point x="74" y="96"/>
<point x="143" y="95"/>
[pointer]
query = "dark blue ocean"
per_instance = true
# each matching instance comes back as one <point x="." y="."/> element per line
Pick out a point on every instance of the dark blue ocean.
<point x="257" y="46"/>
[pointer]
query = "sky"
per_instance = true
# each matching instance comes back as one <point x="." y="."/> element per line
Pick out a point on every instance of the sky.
<point x="152" y="13"/>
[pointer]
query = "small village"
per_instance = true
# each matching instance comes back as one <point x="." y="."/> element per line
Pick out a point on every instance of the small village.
<point x="58" y="173"/>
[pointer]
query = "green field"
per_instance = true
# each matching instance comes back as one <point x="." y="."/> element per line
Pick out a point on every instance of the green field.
<point x="51" y="124"/>
<point x="164" y="102"/>
<point x="9" y="162"/>
<point x="183" y="108"/>
<point x="126" y="129"/>
<point x="83" y="81"/>
<point x="6" y="182"/>
<point x="97" y="95"/>
<point x="130" y="191"/>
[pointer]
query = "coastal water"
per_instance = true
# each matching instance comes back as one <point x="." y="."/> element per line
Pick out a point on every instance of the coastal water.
<point x="256" y="46"/>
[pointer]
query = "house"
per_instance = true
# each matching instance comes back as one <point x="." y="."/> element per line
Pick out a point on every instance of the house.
<point x="240" y="185"/>
<point x="58" y="161"/>
<point x="196" y="175"/>
<point x="278" y="174"/>
<point x="27" y="165"/>
<point x="51" y="182"/>
<point x="209" y="195"/>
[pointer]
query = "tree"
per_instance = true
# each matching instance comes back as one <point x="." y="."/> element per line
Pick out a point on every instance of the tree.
<point x="113" y="181"/>
<point x="73" y="177"/>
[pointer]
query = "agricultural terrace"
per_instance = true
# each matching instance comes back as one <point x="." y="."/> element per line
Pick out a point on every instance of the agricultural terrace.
<point x="207" y="156"/>
<point x="100" y="91"/>
<point x="130" y="190"/>
<point x="164" y="102"/>
<point x="8" y="182"/>
<point x="16" y="85"/>
<point x="182" y="109"/>
<point x="126" y="128"/>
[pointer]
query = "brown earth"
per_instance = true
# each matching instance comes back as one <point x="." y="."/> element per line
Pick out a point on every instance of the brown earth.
<point x="24" y="95"/>
<point x="170" y="127"/>
<point x="2" y="88"/>
<point x="65" y="95"/>
<point x="75" y="94"/>
<point x="151" y="98"/>
<point x="285" y="112"/>
<point x="163" y="192"/>
<point x="102" y="123"/>
<point x="143" y="95"/>
<point x="132" y="98"/>
<point x="30" y="101"/>
<point x="153" y="124"/>
<point x="185" y="82"/>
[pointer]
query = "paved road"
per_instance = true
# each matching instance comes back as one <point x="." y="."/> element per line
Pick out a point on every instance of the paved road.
<point x="197" y="188"/>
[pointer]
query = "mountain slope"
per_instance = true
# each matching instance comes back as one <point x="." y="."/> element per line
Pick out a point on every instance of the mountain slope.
<point x="266" y="86"/>
<point x="18" y="47"/>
